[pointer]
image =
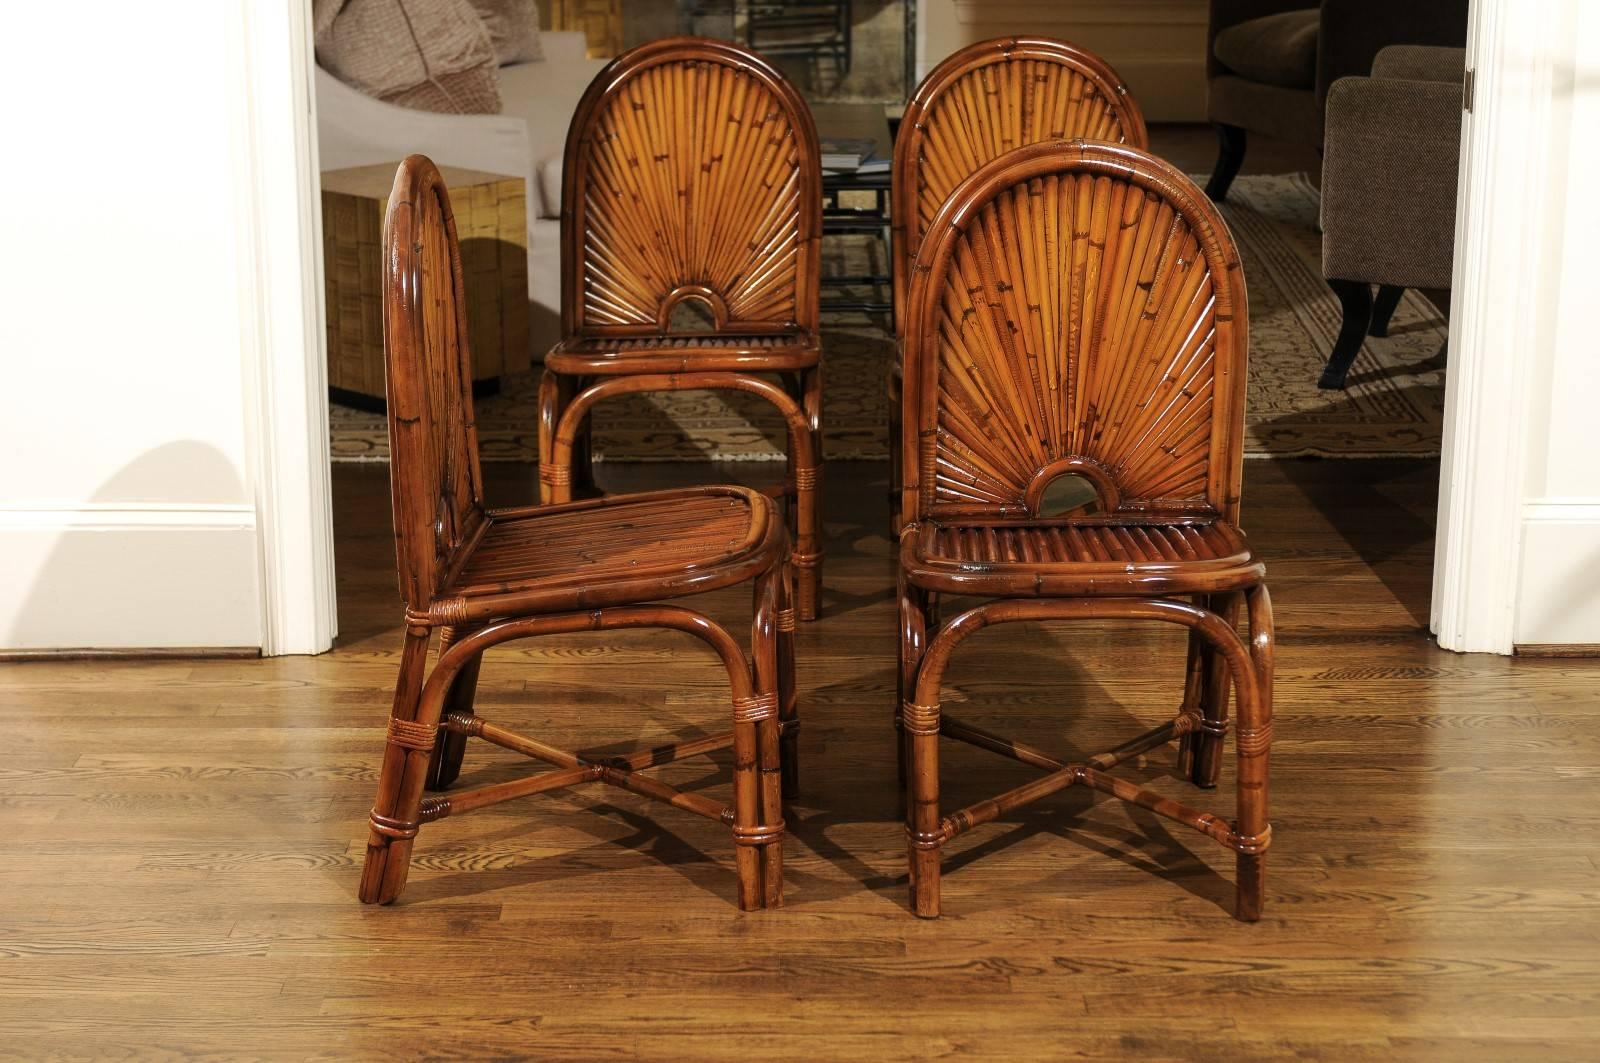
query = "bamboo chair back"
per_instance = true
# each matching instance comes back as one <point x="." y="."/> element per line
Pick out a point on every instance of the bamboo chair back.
<point x="437" y="485"/>
<point x="1077" y="308"/>
<point x="990" y="98"/>
<point x="692" y="172"/>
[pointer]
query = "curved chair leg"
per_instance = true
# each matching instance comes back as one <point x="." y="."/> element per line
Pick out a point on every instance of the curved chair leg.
<point x="808" y="530"/>
<point x="788" y="700"/>
<point x="1254" y="748"/>
<point x="1356" y="299"/>
<point x="1231" y="142"/>
<point x="451" y="749"/>
<point x="553" y="399"/>
<point x="1200" y="751"/>
<point x="1383" y="309"/>
<point x="913" y="643"/>
<point x="405" y="767"/>
<point x="764" y="651"/>
<point x="806" y="555"/>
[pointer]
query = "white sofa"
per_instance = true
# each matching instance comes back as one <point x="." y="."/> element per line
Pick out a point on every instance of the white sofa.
<point x="527" y="139"/>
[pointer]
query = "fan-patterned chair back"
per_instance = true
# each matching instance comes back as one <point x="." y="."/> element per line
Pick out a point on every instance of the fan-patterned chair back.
<point x="1077" y="308"/>
<point x="437" y="484"/>
<point x="691" y="173"/>
<point x="988" y="99"/>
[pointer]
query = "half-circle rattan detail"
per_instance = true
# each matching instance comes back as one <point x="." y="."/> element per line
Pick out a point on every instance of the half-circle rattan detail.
<point x="692" y="172"/>
<point x="1075" y="301"/>
<point x="437" y="485"/>
<point x="990" y="98"/>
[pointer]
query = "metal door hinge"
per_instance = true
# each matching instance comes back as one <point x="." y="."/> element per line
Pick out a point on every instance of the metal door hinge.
<point x="1467" y="84"/>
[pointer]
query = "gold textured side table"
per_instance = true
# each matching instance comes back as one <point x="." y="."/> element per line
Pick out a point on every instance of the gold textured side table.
<point x="492" y="225"/>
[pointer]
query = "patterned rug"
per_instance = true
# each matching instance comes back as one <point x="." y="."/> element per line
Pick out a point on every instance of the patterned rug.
<point x="1393" y="407"/>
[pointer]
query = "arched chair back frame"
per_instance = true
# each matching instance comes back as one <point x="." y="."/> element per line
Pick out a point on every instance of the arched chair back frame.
<point x="692" y="174"/>
<point x="1079" y="309"/>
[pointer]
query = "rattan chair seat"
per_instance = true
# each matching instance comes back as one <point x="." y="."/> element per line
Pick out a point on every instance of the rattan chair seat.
<point x="614" y="551"/>
<point x="1078" y="557"/>
<point x="612" y="355"/>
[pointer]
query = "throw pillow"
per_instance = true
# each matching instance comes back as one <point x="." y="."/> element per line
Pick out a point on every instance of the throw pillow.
<point x="430" y="55"/>
<point x="514" y="28"/>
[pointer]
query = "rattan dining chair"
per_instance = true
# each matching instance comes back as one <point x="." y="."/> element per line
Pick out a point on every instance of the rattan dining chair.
<point x="976" y="105"/>
<point x="1078" y="311"/>
<point x="480" y="577"/>
<point x="692" y="176"/>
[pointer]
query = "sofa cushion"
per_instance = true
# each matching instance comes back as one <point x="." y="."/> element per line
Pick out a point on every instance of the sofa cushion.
<point x="430" y="55"/>
<point x="513" y="28"/>
<point x="1277" y="50"/>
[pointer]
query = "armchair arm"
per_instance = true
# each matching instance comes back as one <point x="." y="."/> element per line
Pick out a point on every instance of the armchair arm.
<point x="1225" y="13"/>
<point x="1354" y="31"/>
<point x="1389" y="181"/>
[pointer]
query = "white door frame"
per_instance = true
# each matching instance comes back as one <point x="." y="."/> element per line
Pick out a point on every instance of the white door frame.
<point x="281" y="313"/>
<point x="1501" y="249"/>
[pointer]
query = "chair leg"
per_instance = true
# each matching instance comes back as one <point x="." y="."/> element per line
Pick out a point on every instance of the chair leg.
<point x="1383" y="309"/>
<point x="1356" y="299"/>
<point x="788" y="700"/>
<point x="1230" y="156"/>
<point x="808" y="504"/>
<point x="583" y="483"/>
<point x="553" y="397"/>
<point x="451" y="748"/>
<point x="405" y="767"/>
<point x="1254" y="748"/>
<point x="765" y="636"/>
<point x="1200" y="752"/>
<point x="913" y="643"/>
<point x="923" y="836"/>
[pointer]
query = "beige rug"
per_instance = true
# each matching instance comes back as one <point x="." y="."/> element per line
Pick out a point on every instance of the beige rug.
<point x="1393" y="407"/>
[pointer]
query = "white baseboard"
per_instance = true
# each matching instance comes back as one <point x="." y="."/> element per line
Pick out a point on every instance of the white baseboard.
<point x="128" y="576"/>
<point x="1558" y="602"/>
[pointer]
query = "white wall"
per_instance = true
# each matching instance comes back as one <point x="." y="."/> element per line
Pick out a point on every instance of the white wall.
<point x="126" y="510"/>
<point x="1558" y="599"/>
<point x="1157" y="46"/>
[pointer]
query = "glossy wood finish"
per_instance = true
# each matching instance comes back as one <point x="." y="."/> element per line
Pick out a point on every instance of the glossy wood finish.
<point x="483" y="577"/>
<point x="691" y="177"/>
<point x="1078" y="309"/>
<point x="977" y="104"/>
<point x="181" y="838"/>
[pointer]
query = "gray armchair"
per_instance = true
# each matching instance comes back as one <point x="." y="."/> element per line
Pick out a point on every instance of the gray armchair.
<point x="1270" y="63"/>
<point x="1389" y="168"/>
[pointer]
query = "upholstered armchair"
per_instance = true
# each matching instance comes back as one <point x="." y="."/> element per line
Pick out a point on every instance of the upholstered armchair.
<point x="1270" y="63"/>
<point x="1389" y="189"/>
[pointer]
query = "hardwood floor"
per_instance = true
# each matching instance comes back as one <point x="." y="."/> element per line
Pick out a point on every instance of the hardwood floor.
<point x="182" y="840"/>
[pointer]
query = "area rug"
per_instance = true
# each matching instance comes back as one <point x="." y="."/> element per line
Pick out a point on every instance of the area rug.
<point x="1393" y="407"/>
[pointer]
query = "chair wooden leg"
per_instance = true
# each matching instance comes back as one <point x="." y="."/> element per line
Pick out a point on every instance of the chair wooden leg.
<point x="583" y="483"/>
<point x="1383" y="309"/>
<point x="553" y="396"/>
<point x="448" y="753"/>
<point x="1200" y="751"/>
<point x="405" y="767"/>
<point x="923" y="836"/>
<point x="1356" y="299"/>
<point x="1254" y="749"/>
<point x="788" y="699"/>
<point x="1231" y="142"/>
<point x="808" y="504"/>
<point x="764" y="649"/>
<point x="913" y="643"/>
